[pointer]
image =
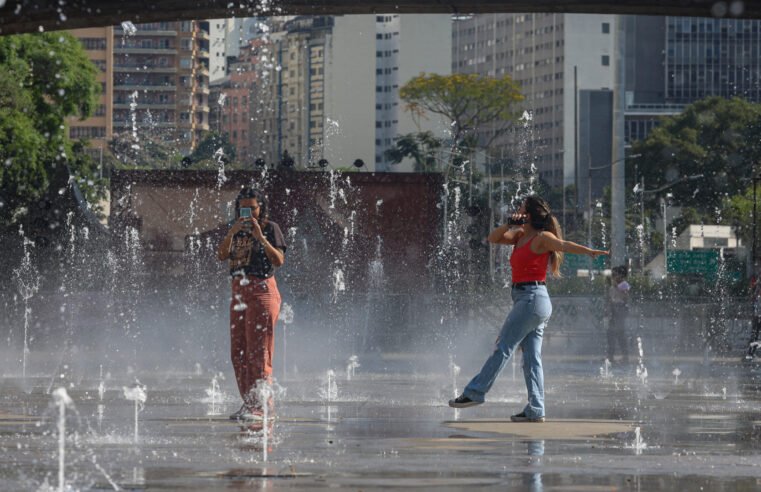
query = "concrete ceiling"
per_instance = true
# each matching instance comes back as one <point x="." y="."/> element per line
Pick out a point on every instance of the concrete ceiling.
<point x="17" y="16"/>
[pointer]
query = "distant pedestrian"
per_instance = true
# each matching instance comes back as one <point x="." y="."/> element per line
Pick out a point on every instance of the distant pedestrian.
<point x="755" y="320"/>
<point x="538" y="244"/>
<point x="255" y="246"/>
<point x="618" y="297"/>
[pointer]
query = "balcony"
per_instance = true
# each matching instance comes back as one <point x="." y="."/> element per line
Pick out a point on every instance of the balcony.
<point x="144" y="69"/>
<point x="202" y="35"/>
<point x="145" y="105"/>
<point x="146" y="32"/>
<point x="159" y="124"/>
<point x="202" y="53"/>
<point x="137" y="50"/>
<point x="204" y="89"/>
<point x="144" y="87"/>
<point x="202" y="69"/>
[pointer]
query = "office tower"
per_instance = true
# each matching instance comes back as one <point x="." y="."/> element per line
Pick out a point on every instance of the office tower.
<point x="563" y="63"/>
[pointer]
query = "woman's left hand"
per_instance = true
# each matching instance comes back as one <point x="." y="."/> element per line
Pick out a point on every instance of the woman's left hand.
<point x="598" y="252"/>
<point x="256" y="230"/>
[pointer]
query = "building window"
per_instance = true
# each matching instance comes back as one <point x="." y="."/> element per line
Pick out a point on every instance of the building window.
<point x="606" y="27"/>
<point x="605" y="60"/>
<point x="185" y="62"/>
<point x="91" y="44"/>
<point x="87" y="132"/>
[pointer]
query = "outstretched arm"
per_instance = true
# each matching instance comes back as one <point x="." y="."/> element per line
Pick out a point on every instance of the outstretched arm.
<point x="550" y="242"/>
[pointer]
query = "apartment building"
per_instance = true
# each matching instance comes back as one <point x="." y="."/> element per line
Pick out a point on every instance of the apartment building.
<point x="334" y="91"/>
<point x="98" y="129"/>
<point x="161" y="81"/>
<point x="233" y="101"/>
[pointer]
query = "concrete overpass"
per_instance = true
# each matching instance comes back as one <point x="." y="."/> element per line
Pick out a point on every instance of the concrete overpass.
<point x="17" y="16"/>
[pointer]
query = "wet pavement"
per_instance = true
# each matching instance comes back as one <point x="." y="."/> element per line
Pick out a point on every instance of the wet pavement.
<point x="698" y="430"/>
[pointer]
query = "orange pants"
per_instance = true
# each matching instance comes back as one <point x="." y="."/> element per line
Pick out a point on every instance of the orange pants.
<point x="253" y="313"/>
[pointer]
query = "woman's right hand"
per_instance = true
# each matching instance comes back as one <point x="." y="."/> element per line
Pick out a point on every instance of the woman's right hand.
<point x="598" y="252"/>
<point x="516" y="219"/>
<point x="237" y="226"/>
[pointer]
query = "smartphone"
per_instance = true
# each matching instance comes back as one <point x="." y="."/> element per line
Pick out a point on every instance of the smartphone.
<point x="245" y="212"/>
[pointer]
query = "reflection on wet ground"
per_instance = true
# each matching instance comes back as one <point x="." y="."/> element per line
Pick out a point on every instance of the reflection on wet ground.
<point x="383" y="430"/>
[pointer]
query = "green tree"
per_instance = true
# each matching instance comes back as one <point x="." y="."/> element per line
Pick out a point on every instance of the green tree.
<point x="422" y="148"/>
<point x="44" y="78"/>
<point x="148" y="153"/>
<point x="469" y="102"/>
<point x="210" y="145"/>
<point x="718" y="138"/>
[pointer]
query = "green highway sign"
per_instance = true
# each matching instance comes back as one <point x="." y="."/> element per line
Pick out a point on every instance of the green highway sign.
<point x="572" y="263"/>
<point x="693" y="262"/>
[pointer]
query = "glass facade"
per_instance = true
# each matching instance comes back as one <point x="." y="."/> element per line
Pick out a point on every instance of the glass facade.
<point x="712" y="57"/>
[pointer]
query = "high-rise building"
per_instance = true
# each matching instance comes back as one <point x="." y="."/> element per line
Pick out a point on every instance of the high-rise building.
<point x="98" y="129"/>
<point x="161" y="81"/>
<point x="674" y="61"/>
<point x="332" y="91"/>
<point x="227" y="36"/>
<point x="233" y="98"/>
<point x="563" y="63"/>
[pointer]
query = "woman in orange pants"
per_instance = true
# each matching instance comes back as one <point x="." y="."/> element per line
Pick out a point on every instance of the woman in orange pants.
<point x="255" y="246"/>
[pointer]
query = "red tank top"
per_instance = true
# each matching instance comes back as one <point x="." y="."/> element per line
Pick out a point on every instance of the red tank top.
<point x="528" y="266"/>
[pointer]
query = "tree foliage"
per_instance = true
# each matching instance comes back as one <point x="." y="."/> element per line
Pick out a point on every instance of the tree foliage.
<point x="210" y="144"/>
<point x="470" y="102"/>
<point x="44" y="78"/>
<point x="718" y="138"/>
<point x="422" y="148"/>
<point x="148" y="153"/>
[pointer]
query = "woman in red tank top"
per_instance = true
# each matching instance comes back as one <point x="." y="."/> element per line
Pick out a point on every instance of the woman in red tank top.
<point x="538" y="244"/>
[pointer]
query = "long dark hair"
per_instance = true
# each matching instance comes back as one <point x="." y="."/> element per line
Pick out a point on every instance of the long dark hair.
<point x="542" y="219"/>
<point x="261" y="198"/>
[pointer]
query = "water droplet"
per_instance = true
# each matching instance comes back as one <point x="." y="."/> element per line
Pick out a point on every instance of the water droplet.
<point x="129" y="28"/>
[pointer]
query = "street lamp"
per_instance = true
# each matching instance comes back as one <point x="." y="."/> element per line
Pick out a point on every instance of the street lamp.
<point x="755" y="180"/>
<point x="642" y="190"/>
<point x="589" y="191"/>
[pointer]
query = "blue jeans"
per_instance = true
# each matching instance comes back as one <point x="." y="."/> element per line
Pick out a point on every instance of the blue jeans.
<point x="524" y="326"/>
